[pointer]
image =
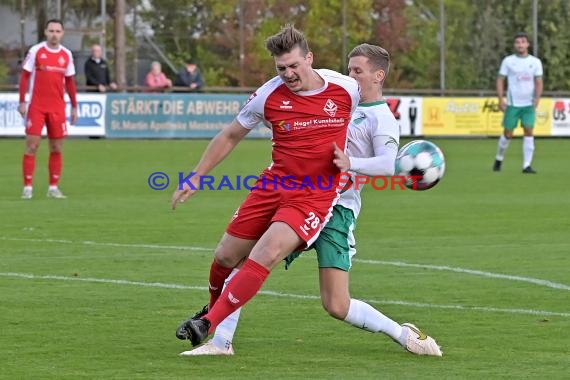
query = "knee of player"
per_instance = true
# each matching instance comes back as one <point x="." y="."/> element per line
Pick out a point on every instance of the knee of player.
<point x="55" y="147"/>
<point x="270" y="257"/>
<point x="336" y="308"/>
<point x="226" y="258"/>
<point x="230" y="256"/>
<point x="32" y="148"/>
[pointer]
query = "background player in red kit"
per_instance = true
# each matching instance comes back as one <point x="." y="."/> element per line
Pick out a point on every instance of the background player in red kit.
<point x="46" y="69"/>
<point x="308" y="110"/>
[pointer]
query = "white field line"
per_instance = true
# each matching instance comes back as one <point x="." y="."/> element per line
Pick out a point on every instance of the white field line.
<point x="119" y="245"/>
<point x="30" y="276"/>
<point x="473" y="272"/>
<point x="531" y="280"/>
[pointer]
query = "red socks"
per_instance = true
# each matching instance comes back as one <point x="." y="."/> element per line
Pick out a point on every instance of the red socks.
<point x="218" y="275"/>
<point x="243" y="286"/>
<point x="28" y="167"/>
<point x="55" y="163"/>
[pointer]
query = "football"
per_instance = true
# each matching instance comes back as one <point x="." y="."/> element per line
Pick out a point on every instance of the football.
<point x="422" y="163"/>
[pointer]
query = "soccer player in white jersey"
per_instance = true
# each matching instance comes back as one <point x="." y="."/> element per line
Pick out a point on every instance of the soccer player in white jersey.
<point x="373" y="138"/>
<point x="524" y="82"/>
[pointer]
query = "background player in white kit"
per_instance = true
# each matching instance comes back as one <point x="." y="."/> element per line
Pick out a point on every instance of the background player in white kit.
<point x="373" y="138"/>
<point x="524" y="82"/>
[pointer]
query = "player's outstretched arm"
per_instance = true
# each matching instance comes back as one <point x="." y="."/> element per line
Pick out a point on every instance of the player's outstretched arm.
<point x="220" y="146"/>
<point x="383" y="162"/>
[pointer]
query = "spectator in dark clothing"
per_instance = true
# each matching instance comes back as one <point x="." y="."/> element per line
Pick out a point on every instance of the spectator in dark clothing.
<point x="97" y="72"/>
<point x="190" y="77"/>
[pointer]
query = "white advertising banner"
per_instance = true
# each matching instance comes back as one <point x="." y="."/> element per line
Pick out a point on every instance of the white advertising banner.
<point x="408" y="112"/>
<point x="561" y="117"/>
<point x="90" y="121"/>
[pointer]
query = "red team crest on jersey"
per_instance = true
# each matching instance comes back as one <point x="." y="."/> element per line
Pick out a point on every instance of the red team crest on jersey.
<point x="330" y="108"/>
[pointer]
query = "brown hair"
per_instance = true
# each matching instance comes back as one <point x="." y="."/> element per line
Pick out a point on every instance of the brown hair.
<point x="378" y="57"/>
<point x="521" y="35"/>
<point x="286" y="40"/>
<point x="54" y="21"/>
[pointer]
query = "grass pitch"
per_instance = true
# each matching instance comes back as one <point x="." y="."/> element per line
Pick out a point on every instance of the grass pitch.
<point x="94" y="286"/>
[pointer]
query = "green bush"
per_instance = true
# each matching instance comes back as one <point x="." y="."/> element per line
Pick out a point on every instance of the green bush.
<point x="4" y="72"/>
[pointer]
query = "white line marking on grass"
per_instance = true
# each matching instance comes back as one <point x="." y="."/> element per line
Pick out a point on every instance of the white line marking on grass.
<point x="30" y="276"/>
<point x="531" y="280"/>
<point x="473" y="272"/>
<point x="120" y="245"/>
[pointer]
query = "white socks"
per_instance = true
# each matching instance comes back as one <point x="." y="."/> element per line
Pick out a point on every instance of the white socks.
<point x="224" y="334"/>
<point x="360" y="314"/>
<point x="502" y="147"/>
<point x="528" y="150"/>
<point x="364" y="316"/>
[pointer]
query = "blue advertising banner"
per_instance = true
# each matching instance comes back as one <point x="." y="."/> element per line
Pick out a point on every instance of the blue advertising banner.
<point x="173" y="115"/>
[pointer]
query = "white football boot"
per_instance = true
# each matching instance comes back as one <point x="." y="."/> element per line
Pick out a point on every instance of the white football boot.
<point x="418" y="342"/>
<point x="27" y="192"/>
<point x="209" y="348"/>
<point x="55" y="193"/>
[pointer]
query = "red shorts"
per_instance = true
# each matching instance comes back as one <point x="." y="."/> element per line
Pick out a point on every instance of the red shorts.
<point x="54" y="120"/>
<point x="305" y="212"/>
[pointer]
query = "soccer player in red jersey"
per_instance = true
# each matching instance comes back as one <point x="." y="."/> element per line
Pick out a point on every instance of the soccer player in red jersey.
<point x="373" y="138"/>
<point x="308" y="111"/>
<point x="47" y="69"/>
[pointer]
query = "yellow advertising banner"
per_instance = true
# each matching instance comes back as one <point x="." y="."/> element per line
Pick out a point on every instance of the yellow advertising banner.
<point x="475" y="117"/>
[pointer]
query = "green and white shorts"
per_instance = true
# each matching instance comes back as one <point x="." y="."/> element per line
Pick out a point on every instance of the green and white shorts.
<point x="335" y="245"/>
<point x="526" y="115"/>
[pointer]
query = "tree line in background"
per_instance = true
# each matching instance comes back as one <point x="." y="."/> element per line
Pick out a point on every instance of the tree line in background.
<point x="227" y="37"/>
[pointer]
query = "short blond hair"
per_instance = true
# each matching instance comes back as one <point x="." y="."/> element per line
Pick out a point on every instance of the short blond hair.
<point x="378" y="57"/>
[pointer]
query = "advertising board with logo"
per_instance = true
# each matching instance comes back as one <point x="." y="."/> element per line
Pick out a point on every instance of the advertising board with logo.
<point x="475" y="117"/>
<point x="561" y="117"/>
<point x="408" y="112"/>
<point x="204" y="115"/>
<point x="174" y="115"/>
<point x="90" y="121"/>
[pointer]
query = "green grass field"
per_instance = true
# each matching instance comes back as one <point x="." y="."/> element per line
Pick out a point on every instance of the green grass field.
<point x="94" y="286"/>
